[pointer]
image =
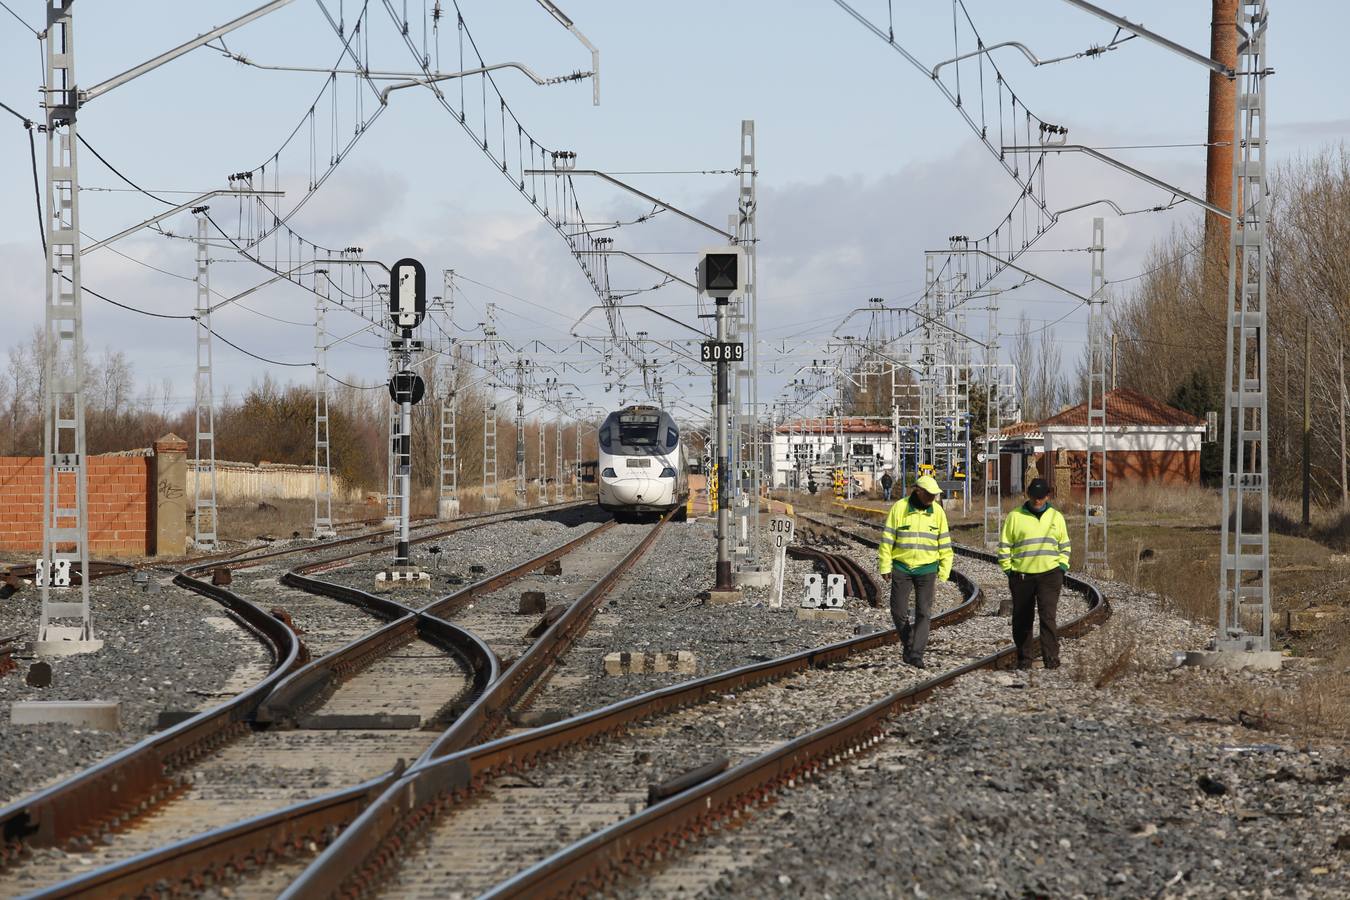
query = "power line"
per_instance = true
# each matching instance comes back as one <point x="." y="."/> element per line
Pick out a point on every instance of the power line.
<point x="21" y="20"/>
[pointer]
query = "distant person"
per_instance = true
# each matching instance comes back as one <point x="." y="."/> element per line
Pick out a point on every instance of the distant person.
<point x="915" y="554"/>
<point x="1033" y="548"/>
<point x="887" y="483"/>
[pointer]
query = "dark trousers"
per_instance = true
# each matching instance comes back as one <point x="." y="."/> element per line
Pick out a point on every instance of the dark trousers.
<point x="922" y="587"/>
<point x="1032" y="594"/>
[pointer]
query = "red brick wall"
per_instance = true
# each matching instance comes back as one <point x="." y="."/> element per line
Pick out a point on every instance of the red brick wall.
<point x="121" y="510"/>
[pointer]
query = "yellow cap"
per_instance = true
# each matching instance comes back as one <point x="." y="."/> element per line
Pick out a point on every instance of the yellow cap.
<point x="929" y="484"/>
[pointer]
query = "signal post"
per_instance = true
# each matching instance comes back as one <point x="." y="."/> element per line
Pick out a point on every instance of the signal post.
<point x="407" y="307"/>
<point x="721" y="273"/>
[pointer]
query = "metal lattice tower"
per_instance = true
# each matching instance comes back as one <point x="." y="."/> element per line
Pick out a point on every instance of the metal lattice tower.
<point x="1244" y="581"/>
<point x="204" y="522"/>
<point x="543" y="461"/>
<point x="747" y="434"/>
<point x="1095" y="560"/>
<point x="449" y="484"/>
<point x="520" y="432"/>
<point x="558" y="460"/>
<point x="577" y="473"/>
<point x="323" y="471"/>
<point x="65" y="529"/>
<point x="447" y="505"/>
<point x="993" y="429"/>
<point x="927" y="433"/>
<point x="490" y="451"/>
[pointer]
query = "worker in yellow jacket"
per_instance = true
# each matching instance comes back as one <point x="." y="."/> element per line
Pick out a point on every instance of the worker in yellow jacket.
<point x="915" y="554"/>
<point x="1033" y="548"/>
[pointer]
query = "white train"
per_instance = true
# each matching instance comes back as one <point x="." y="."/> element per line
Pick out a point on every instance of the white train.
<point x="641" y="463"/>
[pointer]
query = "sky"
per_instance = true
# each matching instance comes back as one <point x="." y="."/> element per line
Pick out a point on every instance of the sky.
<point x="862" y="163"/>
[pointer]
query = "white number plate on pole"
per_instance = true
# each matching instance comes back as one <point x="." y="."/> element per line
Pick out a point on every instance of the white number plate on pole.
<point x="780" y="531"/>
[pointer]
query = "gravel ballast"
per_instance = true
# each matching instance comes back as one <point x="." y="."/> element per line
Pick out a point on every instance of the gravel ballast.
<point x="171" y="650"/>
<point x="1040" y="785"/>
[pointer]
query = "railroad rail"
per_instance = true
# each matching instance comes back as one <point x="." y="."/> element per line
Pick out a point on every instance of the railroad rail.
<point x="110" y="794"/>
<point x="597" y="862"/>
<point x="359" y="858"/>
<point x="205" y="856"/>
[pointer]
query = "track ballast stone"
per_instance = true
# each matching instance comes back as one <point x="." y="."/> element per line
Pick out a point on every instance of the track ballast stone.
<point x="172" y="650"/>
<point x="657" y="607"/>
<point x="1014" y="785"/>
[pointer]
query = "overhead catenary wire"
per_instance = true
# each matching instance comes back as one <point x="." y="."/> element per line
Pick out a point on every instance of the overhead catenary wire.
<point x="21" y="19"/>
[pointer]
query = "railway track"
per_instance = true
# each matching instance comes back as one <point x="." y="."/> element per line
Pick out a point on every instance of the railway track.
<point x="463" y="815"/>
<point x="109" y="807"/>
<point x="314" y="695"/>
<point x="599" y="861"/>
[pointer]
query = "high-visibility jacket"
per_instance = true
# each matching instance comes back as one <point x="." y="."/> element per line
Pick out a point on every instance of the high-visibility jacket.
<point x="916" y="541"/>
<point x="1031" y="543"/>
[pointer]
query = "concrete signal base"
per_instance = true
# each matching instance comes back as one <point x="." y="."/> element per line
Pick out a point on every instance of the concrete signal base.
<point x="753" y="578"/>
<point x="721" y="598"/>
<point x="399" y="577"/>
<point x="1260" y="660"/>
<point x="65" y="648"/>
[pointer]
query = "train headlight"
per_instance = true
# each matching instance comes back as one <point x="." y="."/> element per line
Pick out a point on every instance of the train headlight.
<point x="608" y="472"/>
<point x="667" y="472"/>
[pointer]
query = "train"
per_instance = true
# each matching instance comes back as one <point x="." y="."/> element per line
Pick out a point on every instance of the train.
<point x="643" y="469"/>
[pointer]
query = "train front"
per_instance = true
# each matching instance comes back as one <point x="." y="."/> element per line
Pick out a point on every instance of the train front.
<point x="639" y="461"/>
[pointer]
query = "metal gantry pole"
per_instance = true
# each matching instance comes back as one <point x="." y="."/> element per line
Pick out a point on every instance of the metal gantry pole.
<point x="993" y="429"/>
<point x="577" y="434"/>
<point x="1095" y="559"/>
<point x="520" y="431"/>
<point x="323" y="472"/>
<point x="204" y="521"/>
<point x="748" y="371"/>
<point x="65" y="525"/>
<point x="543" y="461"/>
<point x="558" y="459"/>
<point x="448" y="500"/>
<point x="1244" y="582"/>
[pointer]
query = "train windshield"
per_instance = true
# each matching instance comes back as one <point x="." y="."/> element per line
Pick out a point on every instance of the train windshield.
<point x="639" y="429"/>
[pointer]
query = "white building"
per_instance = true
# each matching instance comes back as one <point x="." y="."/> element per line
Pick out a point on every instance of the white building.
<point x="867" y="445"/>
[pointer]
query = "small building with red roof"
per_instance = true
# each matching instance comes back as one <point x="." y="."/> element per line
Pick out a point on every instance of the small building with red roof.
<point x="1146" y="441"/>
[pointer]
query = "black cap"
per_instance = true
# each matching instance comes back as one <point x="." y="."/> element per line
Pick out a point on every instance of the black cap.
<point x="1038" y="489"/>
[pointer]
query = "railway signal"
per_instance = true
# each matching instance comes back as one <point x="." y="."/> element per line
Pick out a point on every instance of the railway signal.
<point x="407" y="308"/>
<point x="721" y="273"/>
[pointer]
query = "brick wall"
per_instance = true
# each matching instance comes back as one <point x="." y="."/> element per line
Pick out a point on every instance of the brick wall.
<point x="121" y="510"/>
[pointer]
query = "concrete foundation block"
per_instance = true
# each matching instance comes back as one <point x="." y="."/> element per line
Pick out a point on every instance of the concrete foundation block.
<point x="1261" y="660"/>
<point x="402" y="579"/>
<point x="651" y="661"/>
<point x="753" y="578"/>
<point x="721" y="598"/>
<point x="65" y="647"/>
<point x="447" y="509"/>
<point x="822" y="615"/>
<point x="101" y="715"/>
<point x="1304" y="621"/>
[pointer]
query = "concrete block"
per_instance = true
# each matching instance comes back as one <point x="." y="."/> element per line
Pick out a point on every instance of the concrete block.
<point x="100" y="715"/>
<point x="1262" y="660"/>
<point x="1303" y="621"/>
<point x="753" y="578"/>
<point x="531" y="604"/>
<point x="721" y="598"/>
<point x="822" y="615"/>
<point x="651" y="661"/>
<point x="402" y="578"/>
